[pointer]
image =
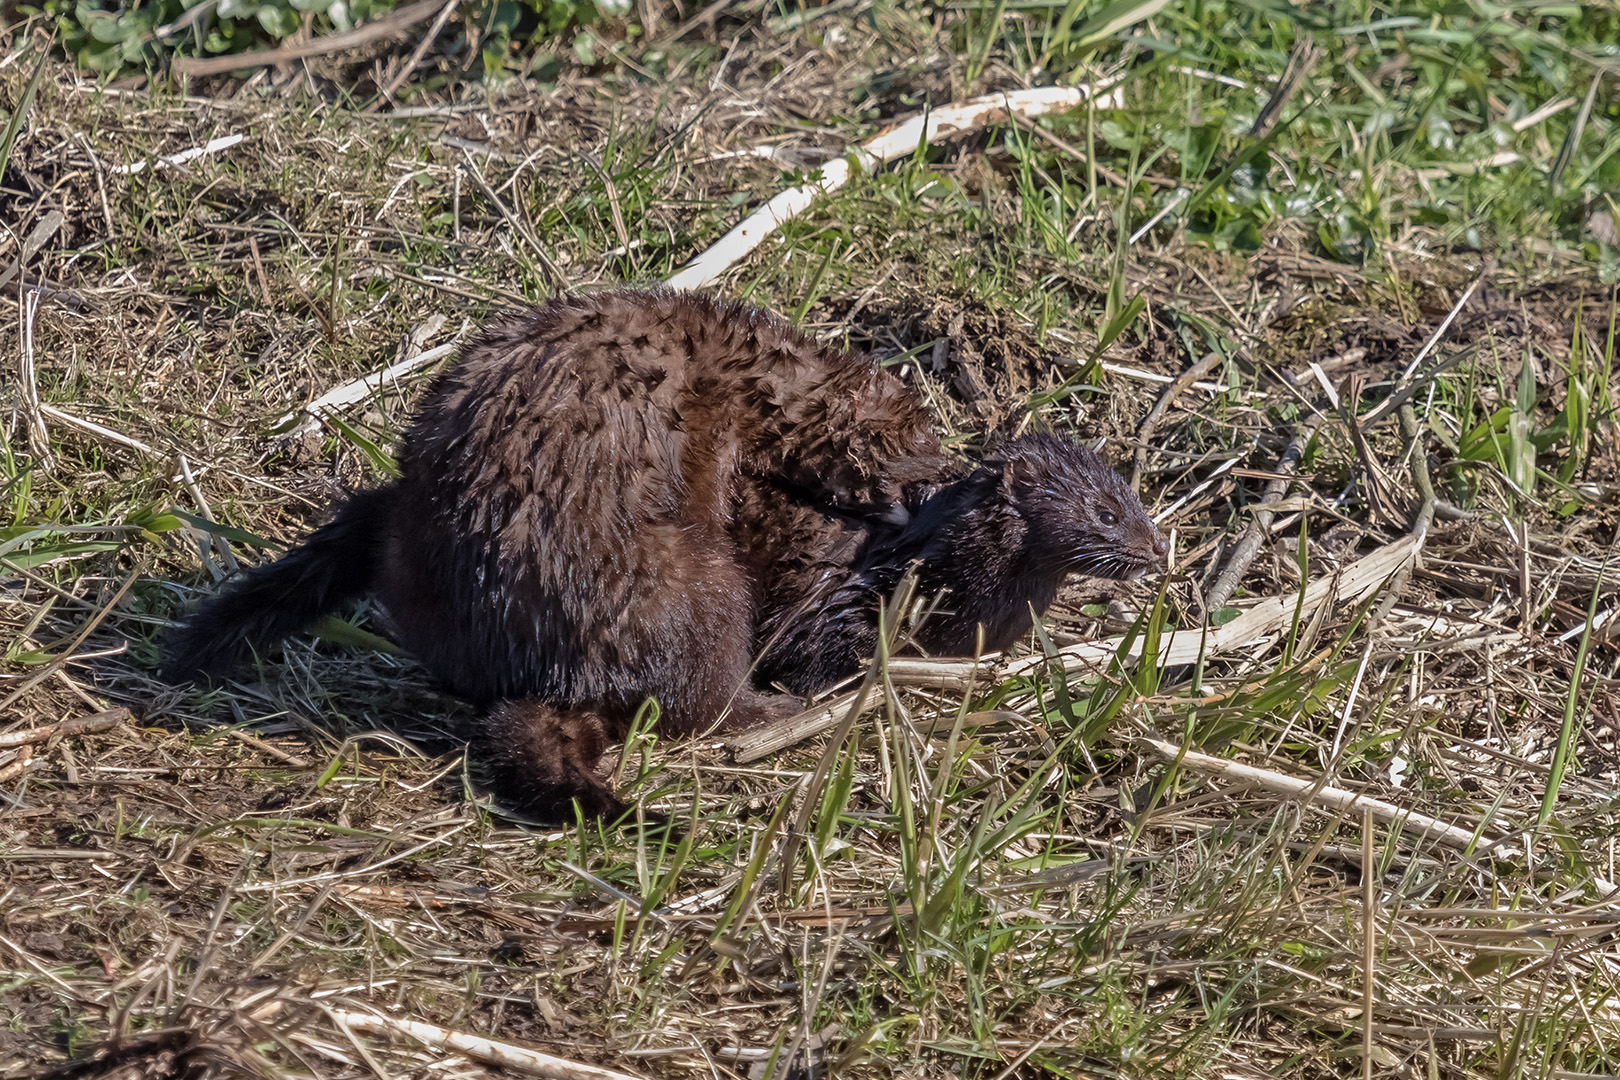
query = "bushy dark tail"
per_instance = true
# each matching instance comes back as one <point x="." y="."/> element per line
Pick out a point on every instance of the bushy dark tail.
<point x="263" y="605"/>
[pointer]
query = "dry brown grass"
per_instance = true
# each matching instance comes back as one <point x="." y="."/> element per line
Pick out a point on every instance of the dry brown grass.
<point x="203" y="890"/>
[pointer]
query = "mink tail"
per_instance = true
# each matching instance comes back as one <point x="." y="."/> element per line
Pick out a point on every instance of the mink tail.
<point x="543" y="759"/>
<point x="263" y="605"/>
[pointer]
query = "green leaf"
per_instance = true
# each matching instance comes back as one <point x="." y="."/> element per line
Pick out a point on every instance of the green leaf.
<point x="1526" y="397"/>
<point x="505" y="19"/>
<point x="1106" y="23"/>
<point x="1114" y="134"/>
<point x="229" y="532"/>
<point x="331" y="770"/>
<point x="102" y="58"/>
<point x="14" y="124"/>
<point x="585" y="48"/>
<point x="133" y="50"/>
<point x="107" y="29"/>
<point x="1244" y="236"/>
<point x="379" y="457"/>
<point x="1521" y="448"/>
<point x="150" y="519"/>
<point x="278" y="22"/>
<point x="333" y="629"/>
<point x="45" y="553"/>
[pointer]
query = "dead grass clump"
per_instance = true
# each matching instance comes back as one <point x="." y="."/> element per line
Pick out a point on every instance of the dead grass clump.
<point x="1001" y="871"/>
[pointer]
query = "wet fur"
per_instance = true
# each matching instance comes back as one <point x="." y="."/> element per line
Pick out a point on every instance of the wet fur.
<point x="994" y="546"/>
<point x="631" y="495"/>
<point x="559" y="545"/>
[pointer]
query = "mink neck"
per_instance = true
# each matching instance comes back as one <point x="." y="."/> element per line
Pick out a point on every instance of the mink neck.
<point x="972" y="539"/>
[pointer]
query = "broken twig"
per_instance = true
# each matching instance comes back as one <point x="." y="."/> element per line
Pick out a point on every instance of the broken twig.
<point x="891" y="143"/>
<point x="505" y="1054"/>
<point x="79" y="725"/>
<point x="1226" y="584"/>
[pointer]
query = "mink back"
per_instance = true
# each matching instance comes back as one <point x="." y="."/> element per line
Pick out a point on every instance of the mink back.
<point x="563" y="524"/>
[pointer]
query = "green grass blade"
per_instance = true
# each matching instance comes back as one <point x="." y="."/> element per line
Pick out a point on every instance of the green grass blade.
<point x="1565" y="749"/>
<point x="19" y="115"/>
<point x="380" y="459"/>
<point x="1572" y="138"/>
<point x="1114" y="18"/>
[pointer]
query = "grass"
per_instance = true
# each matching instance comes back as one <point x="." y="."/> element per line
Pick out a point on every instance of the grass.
<point x="992" y="878"/>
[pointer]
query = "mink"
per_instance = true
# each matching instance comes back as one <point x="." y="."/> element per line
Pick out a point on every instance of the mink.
<point x="558" y="546"/>
<point x="990" y="548"/>
<point x="631" y="495"/>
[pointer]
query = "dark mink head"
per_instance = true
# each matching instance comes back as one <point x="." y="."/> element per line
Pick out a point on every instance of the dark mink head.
<point x="1081" y="514"/>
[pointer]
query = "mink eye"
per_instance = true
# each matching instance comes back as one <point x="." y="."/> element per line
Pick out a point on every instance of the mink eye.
<point x="1107" y="518"/>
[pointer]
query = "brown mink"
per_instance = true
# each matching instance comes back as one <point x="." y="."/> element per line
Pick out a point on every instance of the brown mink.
<point x="558" y="546"/>
<point x="996" y="544"/>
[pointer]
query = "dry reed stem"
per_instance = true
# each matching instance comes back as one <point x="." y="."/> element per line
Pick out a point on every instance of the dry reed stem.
<point x="212" y="146"/>
<point x="1338" y="798"/>
<point x="106" y="434"/>
<point x="1257" y="625"/>
<point x="893" y="142"/>
<point x="378" y="29"/>
<point x="362" y="388"/>
<point x="507" y="1055"/>
<point x="78" y="725"/>
<point x="1369" y="940"/>
<point x="39" y="439"/>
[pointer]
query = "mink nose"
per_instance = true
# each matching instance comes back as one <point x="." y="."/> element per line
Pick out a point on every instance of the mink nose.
<point x="1161" y="546"/>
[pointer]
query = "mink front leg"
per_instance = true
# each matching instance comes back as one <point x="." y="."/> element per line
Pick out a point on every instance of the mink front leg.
<point x="751" y="709"/>
<point x="815" y="613"/>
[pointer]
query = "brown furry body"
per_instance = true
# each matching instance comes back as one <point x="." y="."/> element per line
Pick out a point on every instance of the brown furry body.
<point x="557" y="547"/>
<point x="628" y="495"/>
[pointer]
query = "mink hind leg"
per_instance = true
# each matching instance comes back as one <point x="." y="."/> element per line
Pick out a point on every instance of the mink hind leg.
<point x="683" y="638"/>
<point x="701" y="668"/>
<point x="543" y="758"/>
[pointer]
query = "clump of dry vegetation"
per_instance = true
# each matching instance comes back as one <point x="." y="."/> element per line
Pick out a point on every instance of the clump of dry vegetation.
<point x="1339" y="797"/>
